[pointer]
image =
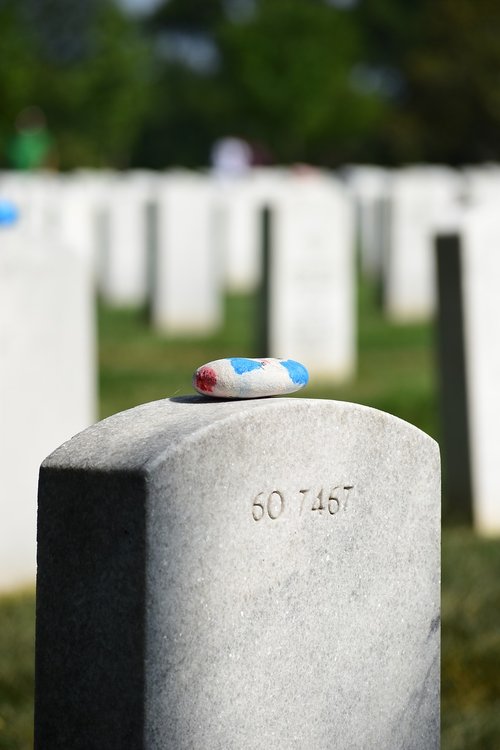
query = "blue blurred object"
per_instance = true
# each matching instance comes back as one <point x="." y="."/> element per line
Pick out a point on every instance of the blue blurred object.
<point x="9" y="213"/>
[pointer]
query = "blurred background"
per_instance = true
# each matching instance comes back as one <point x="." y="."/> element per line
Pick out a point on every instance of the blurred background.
<point x="382" y="116"/>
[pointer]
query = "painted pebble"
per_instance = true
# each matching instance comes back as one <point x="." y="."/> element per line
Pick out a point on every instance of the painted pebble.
<point x="240" y="377"/>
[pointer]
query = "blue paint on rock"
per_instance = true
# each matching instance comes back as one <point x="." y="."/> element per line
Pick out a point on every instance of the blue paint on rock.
<point x="298" y="373"/>
<point x="241" y="365"/>
<point x="8" y="213"/>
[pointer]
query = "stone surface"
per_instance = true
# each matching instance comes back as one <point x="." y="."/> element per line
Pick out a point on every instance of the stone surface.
<point x="470" y="365"/>
<point x="47" y="383"/>
<point x="187" y="270"/>
<point x="124" y="263"/>
<point x="369" y="187"/>
<point x="311" y="294"/>
<point x="243" y="574"/>
<point x="238" y="204"/>
<point x="241" y="377"/>
<point x="418" y="198"/>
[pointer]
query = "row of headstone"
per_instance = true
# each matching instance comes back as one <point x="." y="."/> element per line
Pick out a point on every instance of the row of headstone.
<point x="147" y="238"/>
<point x="302" y="236"/>
<point x="176" y="241"/>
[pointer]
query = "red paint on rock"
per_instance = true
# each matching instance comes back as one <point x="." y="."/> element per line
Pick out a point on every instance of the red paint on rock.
<point x="206" y="379"/>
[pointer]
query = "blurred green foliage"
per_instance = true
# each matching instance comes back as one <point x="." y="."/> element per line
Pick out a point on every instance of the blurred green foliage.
<point x="85" y="65"/>
<point x="316" y="81"/>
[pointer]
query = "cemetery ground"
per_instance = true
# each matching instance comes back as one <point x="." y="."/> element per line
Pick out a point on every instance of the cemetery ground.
<point x="396" y="374"/>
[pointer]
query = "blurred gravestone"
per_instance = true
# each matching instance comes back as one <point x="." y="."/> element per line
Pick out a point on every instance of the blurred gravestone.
<point x="47" y="382"/>
<point x="469" y="304"/>
<point x="124" y="267"/>
<point x="309" y="297"/>
<point x="418" y="197"/>
<point x="369" y="186"/>
<point x="247" y="574"/>
<point x="238" y="206"/>
<point x="187" y="275"/>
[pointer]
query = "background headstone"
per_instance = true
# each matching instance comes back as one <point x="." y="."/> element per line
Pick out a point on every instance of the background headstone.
<point x="311" y="305"/>
<point x="47" y="383"/>
<point x="469" y="310"/>
<point x="187" y="273"/>
<point x="418" y="197"/>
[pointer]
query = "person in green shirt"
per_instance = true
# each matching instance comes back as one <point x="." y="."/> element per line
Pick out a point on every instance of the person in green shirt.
<point x="32" y="147"/>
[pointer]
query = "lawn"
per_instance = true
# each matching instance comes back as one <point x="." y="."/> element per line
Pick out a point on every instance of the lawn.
<point x="396" y="374"/>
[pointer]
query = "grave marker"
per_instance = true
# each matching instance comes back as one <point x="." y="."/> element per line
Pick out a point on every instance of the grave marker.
<point x="241" y="574"/>
<point x="47" y="383"/>
<point x="310" y="279"/>
<point x="187" y="278"/>
<point x="469" y="306"/>
<point x="418" y="198"/>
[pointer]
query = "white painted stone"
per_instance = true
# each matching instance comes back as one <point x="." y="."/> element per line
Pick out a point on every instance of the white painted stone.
<point x="418" y="197"/>
<point x="47" y="383"/>
<point x="312" y="301"/>
<point x="187" y="274"/>
<point x="243" y="377"/>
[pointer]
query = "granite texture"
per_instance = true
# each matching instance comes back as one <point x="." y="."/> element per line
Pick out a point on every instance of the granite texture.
<point x="243" y="574"/>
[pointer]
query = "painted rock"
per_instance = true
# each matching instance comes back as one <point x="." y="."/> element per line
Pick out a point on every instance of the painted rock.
<point x="240" y="377"/>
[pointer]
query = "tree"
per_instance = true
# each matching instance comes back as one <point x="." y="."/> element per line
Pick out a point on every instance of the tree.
<point x="446" y="56"/>
<point x="89" y="74"/>
<point x="290" y="71"/>
<point x="281" y="75"/>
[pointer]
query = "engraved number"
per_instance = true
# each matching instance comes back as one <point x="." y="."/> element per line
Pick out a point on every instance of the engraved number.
<point x="333" y="502"/>
<point x="303" y="493"/>
<point x="257" y="508"/>
<point x="347" y="487"/>
<point x="318" y="505"/>
<point x="274" y="506"/>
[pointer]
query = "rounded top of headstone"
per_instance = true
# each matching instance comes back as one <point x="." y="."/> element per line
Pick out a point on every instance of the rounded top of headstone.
<point x="244" y="377"/>
<point x="138" y="439"/>
<point x="9" y="213"/>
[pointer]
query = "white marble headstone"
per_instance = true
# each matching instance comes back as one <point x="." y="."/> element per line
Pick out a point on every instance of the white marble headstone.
<point x="187" y="272"/>
<point x="312" y="298"/>
<point x="47" y="383"/>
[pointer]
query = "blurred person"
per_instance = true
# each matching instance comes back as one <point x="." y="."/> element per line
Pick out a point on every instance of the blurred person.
<point x="231" y="157"/>
<point x="32" y="147"/>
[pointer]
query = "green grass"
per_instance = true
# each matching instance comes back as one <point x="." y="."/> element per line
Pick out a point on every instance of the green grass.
<point x="396" y="374"/>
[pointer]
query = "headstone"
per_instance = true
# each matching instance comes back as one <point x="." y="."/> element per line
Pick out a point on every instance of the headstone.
<point x="369" y="187"/>
<point x="47" y="383"/>
<point x="124" y="264"/>
<point x="187" y="274"/>
<point x="418" y="197"/>
<point x="469" y="308"/>
<point x="239" y="202"/>
<point x="311" y="304"/>
<point x="244" y="574"/>
<point x="77" y="201"/>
